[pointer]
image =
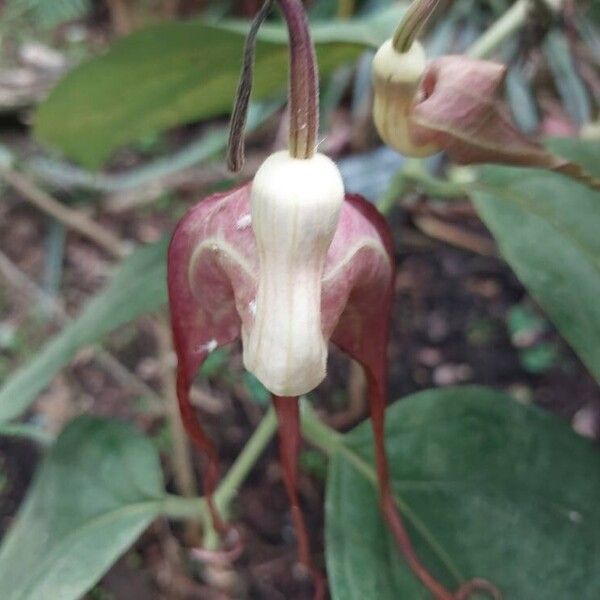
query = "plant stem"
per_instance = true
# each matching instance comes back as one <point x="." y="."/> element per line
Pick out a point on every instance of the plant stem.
<point x="178" y="507"/>
<point x="304" y="82"/>
<point x="237" y="123"/>
<point x="504" y="27"/>
<point x="182" y="460"/>
<point x="183" y="508"/>
<point x="412" y="22"/>
<point x="414" y="174"/>
<point x="247" y="459"/>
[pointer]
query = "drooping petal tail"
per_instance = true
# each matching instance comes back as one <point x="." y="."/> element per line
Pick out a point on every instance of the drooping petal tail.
<point x="200" y="321"/>
<point x="372" y="354"/>
<point x="363" y="333"/>
<point x="377" y="404"/>
<point x="288" y="415"/>
<point x="206" y="446"/>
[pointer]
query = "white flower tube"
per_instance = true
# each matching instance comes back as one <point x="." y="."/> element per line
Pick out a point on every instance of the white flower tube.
<point x="396" y="80"/>
<point x="295" y="211"/>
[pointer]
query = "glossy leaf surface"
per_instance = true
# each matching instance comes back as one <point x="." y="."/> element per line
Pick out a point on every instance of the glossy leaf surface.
<point x="496" y="489"/>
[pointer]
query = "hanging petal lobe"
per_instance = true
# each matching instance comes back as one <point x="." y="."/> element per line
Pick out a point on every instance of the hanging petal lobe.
<point x="459" y="108"/>
<point x="207" y="258"/>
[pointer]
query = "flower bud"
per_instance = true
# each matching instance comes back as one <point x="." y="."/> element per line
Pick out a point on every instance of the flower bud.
<point x="295" y="208"/>
<point x="396" y="81"/>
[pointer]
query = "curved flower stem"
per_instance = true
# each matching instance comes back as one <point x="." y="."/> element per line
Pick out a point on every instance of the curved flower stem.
<point x="388" y="503"/>
<point x="304" y="82"/>
<point x="178" y="507"/>
<point x="413" y="21"/>
<point x="235" y="144"/>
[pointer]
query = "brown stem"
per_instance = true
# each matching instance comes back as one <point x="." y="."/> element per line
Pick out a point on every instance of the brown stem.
<point x="288" y="415"/>
<point x="304" y="82"/>
<point x="235" y="145"/>
<point x="182" y="461"/>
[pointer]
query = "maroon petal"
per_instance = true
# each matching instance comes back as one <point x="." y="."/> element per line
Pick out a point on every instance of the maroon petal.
<point x="201" y="273"/>
<point x="459" y="108"/>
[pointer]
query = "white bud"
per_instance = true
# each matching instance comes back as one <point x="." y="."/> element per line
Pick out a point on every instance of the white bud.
<point x="396" y="80"/>
<point x="295" y="211"/>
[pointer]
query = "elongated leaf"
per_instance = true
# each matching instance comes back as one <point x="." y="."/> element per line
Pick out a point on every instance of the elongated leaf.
<point x="99" y="487"/>
<point x="547" y="229"/>
<point x="173" y="73"/>
<point x="503" y="492"/>
<point x="138" y="287"/>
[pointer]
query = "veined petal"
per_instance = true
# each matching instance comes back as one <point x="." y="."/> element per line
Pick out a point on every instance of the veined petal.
<point x="459" y="108"/>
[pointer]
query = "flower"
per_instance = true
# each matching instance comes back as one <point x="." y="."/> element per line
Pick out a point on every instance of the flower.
<point x="451" y="104"/>
<point x="285" y="262"/>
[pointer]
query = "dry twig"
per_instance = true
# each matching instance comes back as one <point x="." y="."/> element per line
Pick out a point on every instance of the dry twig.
<point x="72" y="219"/>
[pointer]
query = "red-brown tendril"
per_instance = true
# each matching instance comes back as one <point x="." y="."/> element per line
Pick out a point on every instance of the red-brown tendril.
<point x="288" y="415"/>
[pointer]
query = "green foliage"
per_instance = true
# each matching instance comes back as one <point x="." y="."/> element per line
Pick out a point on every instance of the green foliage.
<point x="174" y="73"/>
<point x="256" y="390"/>
<point x="573" y="91"/>
<point x="526" y="329"/>
<point x="98" y="488"/>
<point x="547" y="228"/>
<point x="138" y="287"/>
<point x="502" y="491"/>
<point x="47" y="14"/>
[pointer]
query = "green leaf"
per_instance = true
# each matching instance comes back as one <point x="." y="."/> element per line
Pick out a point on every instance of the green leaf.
<point x="138" y="287"/>
<point x="584" y="153"/>
<point x="98" y="488"/>
<point x="47" y="14"/>
<point x="174" y="73"/>
<point x="547" y="229"/>
<point x="502" y="491"/>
